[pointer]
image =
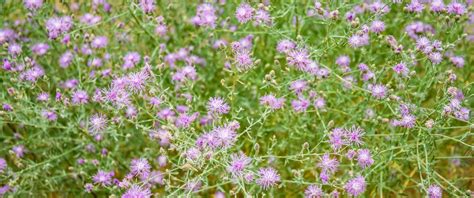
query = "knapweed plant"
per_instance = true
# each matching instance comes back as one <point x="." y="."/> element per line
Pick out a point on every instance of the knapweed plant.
<point x="216" y="98"/>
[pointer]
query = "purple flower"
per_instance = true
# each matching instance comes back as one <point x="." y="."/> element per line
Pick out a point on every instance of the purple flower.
<point x="14" y="49"/>
<point x="218" y="106"/>
<point x="205" y="16"/>
<point x="437" y="6"/>
<point x="298" y="86"/>
<point x="192" y="153"/>
<point x="262" y="17"/>
<point x="458" y="61"/>
<point x="268" y="177"/>
<point x="43" y="97"/>
<point x="244" y="13"/>
<point x="355" y="186"/>
<point x="19" y="151"/>
<point x="58" y="25"/>
<point x="103" y="178"/>
<point x="456" y="8"/>
<point x="354" y="135"/>
<point x="66" y="59"/>
<point x="99" y="42"/>
<point x="140" y="167"/>
<point x="285" y="46"/>
<point x="377" y="26"/>
<point x="327" y="164"/>
<point x="319" y="103"/>
<point x="401" y="68"/>
<point x="136" y="191"/>
<point x="40" y="48"/>
<point x="434" y="191"/>
<point x="3" y="164"/>
<point x="90" y="19"/>
<point x="193" y="186"/>
<point x="379" y="91"/>
<point x="147" y="5"/>
<point x="272" y="101"/>
<point x="49" y="115"/>
<point x="243" y="59"/>
<point x="435" y="57"/>
<point x="97" y="123"/>
<point x="298" y="58"/>
<point x="300" y="105"/>
<point x="238" y="163"/>
<point x="356" y="41"/>
<point x="226" y="136"/>
<point x="415" y="6"/>
<point x="336" y="138"/>
<point x="343" y="61"/>
<point x="80" y="97"/>
<point x="33" y="4"/>
<point x="130" y="60"/>
<point x="364" y="158"/>
<point x="313" y="191"/>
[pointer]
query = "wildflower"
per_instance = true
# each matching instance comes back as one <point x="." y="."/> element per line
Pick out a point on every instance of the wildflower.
<point x="19" y="151"/>
<point x="285" y="46"/>
<point x="435" y="57"/>
<point x="415" y="6"/>
<point x="193" y="186"/>
<point x="319" y="103"/>
<point x="192" y="153"/>
<point x="336" y="138"/>
<point x="356" y="41"/>
<point x="377" y="26"/>
<point x="3" y="165"/>
<point x="244" y="13"/>
<point x="243" y="59"/>
<point x="262" y="17"/>
<point x="49" y="115"/>
<point x="58" y="25"/>
<point x="140" y="167"/>
<point x="103" y="178"/>
<point x="33" y="4"/>
<point x="434" y="191"/>
<point x="272" y="101"/>
<point x="43" y="97"/>
<point x="268" y="177"/>
<point x="217" y="105"/>
<point x="40" y="48"/>
<point x="300" y="105"/>
<point x="14" y="49"/>
<point x="456" y="8"/>
<point x="205" y="16"/>
<point x="298" y="58"/>
<point x="298" y="86"/>
<point x="238" y="163"/>
<point x="379" y="91"/>
<point x="147" y="5"/>
<point x="313" y="191"/>
<point x="364" y="158"/>
<point x="66" y="59"/>
<point x="136" y="191"/>
<point x="97" y="123"/>
<point x="327" y="164"/>
<point x="80" y="97"/>
<point x="458" y="61"/>
<point x="355" y="186"/>
<point x="401" y="68"/>
<point x="130" y="60"/>
<point x="226" y="136"/>
<point x="437" y="6"/>
<point x="99" y="42"/>
<point x="343" y="61"/>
